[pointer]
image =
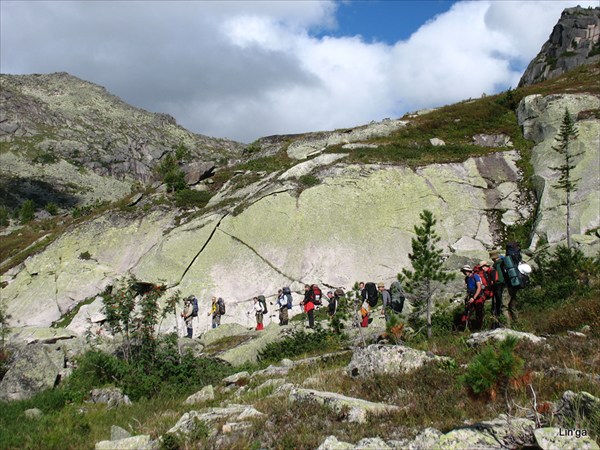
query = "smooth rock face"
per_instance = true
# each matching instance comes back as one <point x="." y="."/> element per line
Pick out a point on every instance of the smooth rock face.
<point x="387" y="360"/>
<point x="541" y="118"/>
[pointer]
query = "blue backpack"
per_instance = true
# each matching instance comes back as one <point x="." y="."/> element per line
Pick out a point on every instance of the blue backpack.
<point x="194" y="307"/>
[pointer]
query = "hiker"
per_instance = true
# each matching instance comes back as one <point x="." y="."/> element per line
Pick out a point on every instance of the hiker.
<point x="498" y="285"/>
<point x="258" y="311"/>
<point x="332" y="306"/>
<point x="215" y="313"/>
<point x="514" y="280"/>
<point x="282" y="303"/>
<point x="370" y="297"/>
<point x="474" y="299"/>
<point x="387" y="301"/>
<point x="309" y="305"/>
<point x="187" y="314"/>
<point x="397" y="296"/>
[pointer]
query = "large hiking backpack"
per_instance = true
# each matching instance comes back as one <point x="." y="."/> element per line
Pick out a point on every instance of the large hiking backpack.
<point x="515" y="278"/>
<point x="288" y="295"/>
<point x="221" y="306"/>
<point x="317" y="294"/>
<point x="513" y="249"/>
<point x="372" y="294"/>
<point x="263" y="302"/>
<point x="194" y="307"/>
<point x="486" y="281"/>
<point x="397" y="296"/>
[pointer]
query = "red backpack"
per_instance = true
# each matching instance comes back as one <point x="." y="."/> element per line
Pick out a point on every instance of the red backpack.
<point x="486" y="281"/>
<point x="317" y="293"/>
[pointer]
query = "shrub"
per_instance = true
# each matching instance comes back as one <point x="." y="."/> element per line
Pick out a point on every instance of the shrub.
<point x="309" y="180"/>
<point x="4" y="217"/>
<point x="300" y="342"/>
<point x="493" y="368"/>
<point x="51" y="208"/>
<point x="85" y="255"/>
<point x="189" y="198"/>
<point x="27" y="211"/>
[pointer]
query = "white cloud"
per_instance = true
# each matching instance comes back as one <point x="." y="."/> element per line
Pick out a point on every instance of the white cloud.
<point x="248" y="69"/>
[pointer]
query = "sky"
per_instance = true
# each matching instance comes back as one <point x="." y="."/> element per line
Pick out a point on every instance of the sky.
<point x="243" y="69"/>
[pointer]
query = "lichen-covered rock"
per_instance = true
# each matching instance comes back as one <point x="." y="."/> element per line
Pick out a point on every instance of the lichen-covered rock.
<point x="551" y="438"/>
<point x="499" y="334"/>
<point x="141" y="442"/>
<point x="357" y="408"/>
<point x="234" y="413"/>
<point x="236" y="378"/>
<point x="378" y="359"/>
<point x="34" y="370"/>
<point x="541" y="118"/>
<point x="205" y="394"/>
<point x="33" y="413"/>
<point x="573" y="405"/>
<point x="492" y="140"/>
<point x="117" y="433"/>
<point x="113" y="397"/>
<point x="332" y="443"/>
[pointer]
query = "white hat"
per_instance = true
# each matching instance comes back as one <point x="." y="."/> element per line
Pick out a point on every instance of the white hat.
<point x="525" y="269"/>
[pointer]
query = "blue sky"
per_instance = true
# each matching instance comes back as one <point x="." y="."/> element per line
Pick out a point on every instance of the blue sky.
<point x="386" y="20"/>
<point x="244" y="69"/>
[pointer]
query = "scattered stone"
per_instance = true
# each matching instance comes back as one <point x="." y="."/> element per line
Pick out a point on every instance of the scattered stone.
<point x="187" y="423"/>
<point x="33" y="413"/>
<point x="237" y="379"/>
<point x="371" y="444"/>
<point x="358" y="408"/>
<point x="272" y="371"/>
<point x="563" y="439"/>
<point x="358" y="145"/>
<point x="492" y="140"/>
<point x="250" y="413"/>
<point x="207" y="393"/>
<point x="388" y="359"/>
<point x="117" y="433"/>
<point x="285" y="362"/>
<point x="585" y="329"/>
<point x="136" y="198"/>
<point x="332" y="443"/>
<point x="113" y="397"/>
<point x="567" y="371"/>
<point x="425" y="440"/>
<point x="273" y="382"/>
<point x="142" y="442"/>
<point x="576" y="334"/>
<point x="500" y="334"/>
<point x="437" y="142"/>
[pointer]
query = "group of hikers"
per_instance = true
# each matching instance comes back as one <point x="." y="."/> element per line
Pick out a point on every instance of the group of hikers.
<point x="484" y="281"/>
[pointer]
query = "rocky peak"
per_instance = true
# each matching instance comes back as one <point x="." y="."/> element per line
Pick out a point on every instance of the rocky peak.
<point x="574" y="41"/>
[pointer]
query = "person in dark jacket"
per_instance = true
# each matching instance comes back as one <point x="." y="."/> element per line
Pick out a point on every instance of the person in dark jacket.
<point x="386" y="299"/>
<point x="498" y="286"/>
<point x="332" y="307"/>
<point x="309" y="305"/>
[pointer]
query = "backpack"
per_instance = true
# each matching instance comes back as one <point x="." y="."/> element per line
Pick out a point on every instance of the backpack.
<point x="194" y="307"/>
<point x="221" y="306"/>
<point x="263" y="302"/>
<point x="515" y="278"/>
<point x="288" y="295"/>
<point x="339" y="292"/>
<point x="372" y="294"/>
<point x="397" y="296"/>
<point x="486" y="281"/>
<point x="513" y="249"/>
<point x="317" y="293"/>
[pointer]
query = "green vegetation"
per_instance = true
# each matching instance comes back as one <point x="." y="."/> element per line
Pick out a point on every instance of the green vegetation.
<point x="568" y="132"/>
<point x="171" y="173"/>
<point x="27" y="211"/>
<point x="190" y="198"/>
<point x="4" y="216"/>
<point x="85" y="255"/>
<point x="51" y="208"/>
<point x="308" y="180"/>
<point x="427" y="274"/>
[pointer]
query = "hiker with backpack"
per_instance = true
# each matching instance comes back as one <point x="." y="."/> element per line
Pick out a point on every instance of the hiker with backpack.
<point x="188" y="314"/>
<point x="397" y="297"/>
<point x="515" y="279"/>
<point x="309" y="305"/>
<point x="332" y="306"/>
<point x="215" y="311"/>
<point x="475" y="298"/>
<point x="283" y="302"/>
<point x="386" y="300"/>
<point x="498" y="286"/>
<point x="259" y="313"/>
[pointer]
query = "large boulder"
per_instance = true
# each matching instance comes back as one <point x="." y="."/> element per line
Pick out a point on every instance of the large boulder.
<point x="388" y="360"/>
<point x="357" y="408"/>
<point x="500" y="334"/>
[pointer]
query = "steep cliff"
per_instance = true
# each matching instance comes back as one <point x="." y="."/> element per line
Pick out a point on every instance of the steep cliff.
<point x="574" y="41"/>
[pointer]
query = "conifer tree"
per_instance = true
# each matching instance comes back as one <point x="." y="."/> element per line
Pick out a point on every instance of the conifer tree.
<point x="566" y="182"/>
<point x="427" y="274"/>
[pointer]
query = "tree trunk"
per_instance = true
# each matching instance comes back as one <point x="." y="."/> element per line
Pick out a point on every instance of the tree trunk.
<point x="428" y="310"/>
<point x="568" y="219"/>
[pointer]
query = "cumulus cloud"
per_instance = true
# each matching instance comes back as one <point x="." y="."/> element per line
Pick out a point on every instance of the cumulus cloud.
<point x="244" y="69"/>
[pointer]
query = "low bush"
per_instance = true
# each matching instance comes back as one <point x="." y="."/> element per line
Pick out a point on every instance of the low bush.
<point x="189" y="198"/>
<point x="301" y="342"/>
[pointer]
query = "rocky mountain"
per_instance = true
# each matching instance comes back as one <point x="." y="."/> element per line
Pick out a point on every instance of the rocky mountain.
<point x="70" y="141"/>
<point x="575" y="40"/>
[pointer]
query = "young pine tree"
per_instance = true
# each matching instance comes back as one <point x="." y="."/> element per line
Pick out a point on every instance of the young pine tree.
<point x="427" y="274"/>
<point x="566" y="182"/>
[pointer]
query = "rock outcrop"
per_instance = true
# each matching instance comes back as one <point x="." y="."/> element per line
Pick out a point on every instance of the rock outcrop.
<point x="541" y="118"/>
<point x="574" y="41"/>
